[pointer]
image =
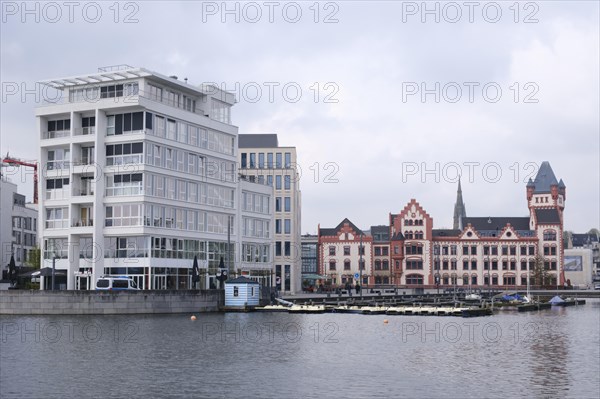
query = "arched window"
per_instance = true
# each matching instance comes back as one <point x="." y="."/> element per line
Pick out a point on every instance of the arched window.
<point x="549" y="235"/>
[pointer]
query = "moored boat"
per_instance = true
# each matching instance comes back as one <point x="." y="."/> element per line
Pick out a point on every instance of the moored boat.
<point x="306" y="309"/>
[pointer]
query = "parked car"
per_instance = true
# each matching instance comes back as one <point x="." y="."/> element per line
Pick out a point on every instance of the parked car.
<point x="116" y="283"/>
<point x="597" y="286"/>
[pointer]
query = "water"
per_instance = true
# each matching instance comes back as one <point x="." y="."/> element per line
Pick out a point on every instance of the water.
<point x="547" y="354"/>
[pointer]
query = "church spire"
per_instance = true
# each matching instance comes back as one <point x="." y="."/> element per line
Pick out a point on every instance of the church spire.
<point x="459" y="209"/>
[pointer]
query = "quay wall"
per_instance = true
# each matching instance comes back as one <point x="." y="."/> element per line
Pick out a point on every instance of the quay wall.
<point x="34" y="302"/>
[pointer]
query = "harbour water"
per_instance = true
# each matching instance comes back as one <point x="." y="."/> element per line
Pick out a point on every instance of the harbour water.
<point x="547" y="354"/>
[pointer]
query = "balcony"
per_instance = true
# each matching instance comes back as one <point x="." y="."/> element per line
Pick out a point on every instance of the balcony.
<point x="55" y="134"/>
<point x="82" y="223"/>
<point x="84" y="131"/>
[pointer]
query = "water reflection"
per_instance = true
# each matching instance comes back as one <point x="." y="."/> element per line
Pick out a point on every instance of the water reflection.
<point x="542" y="354"/>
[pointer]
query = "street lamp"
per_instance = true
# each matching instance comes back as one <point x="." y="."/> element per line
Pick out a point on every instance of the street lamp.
<point x="437" y="271"/>
<point x="360" y="263"/>
<point x="489" y="276"/>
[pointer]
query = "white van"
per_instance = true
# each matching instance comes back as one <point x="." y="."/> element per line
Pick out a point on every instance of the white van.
<point x="115" y="283"/>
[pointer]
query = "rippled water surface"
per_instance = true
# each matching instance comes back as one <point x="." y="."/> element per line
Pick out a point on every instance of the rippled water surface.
<point x="547" y="354"/>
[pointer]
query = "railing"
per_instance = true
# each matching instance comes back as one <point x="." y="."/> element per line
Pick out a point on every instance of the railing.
<point x="82" y="223"/>
<point x="84" y="131"/>
<point x="83" y="162"/>
<point x="58" y="165"/>
<point x="83" y="192"/>
<point x="57" y="224"/>
<point x="55" y="134"/>
<point x="58" y="194"/>
<point x="114" y="68"/>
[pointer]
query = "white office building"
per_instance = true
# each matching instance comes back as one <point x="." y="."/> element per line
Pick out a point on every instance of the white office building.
<point x="18" y="225"/>
<point x="262" y="160"/>
<point x="139" y="176"/>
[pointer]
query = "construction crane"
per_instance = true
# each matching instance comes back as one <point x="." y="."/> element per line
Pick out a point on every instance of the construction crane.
<point x="14" y="161"/>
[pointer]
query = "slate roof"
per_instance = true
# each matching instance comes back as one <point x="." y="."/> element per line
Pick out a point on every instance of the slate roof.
<point x="398" y="236"/>
<point x="334" y="231"/>
<point x="257" y="141"/>
<point x="544" y="179"/>
<point x="445" y="232"/>
<point x="580" y="240"/>
<point x="547" y="216"/>
<point x="380" y="231"/>
<point x="493" y="223"/>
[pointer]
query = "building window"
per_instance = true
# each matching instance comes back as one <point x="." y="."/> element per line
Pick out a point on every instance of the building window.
<point x="287" y="204"/>
<point x="473" y="265"/>
<point x="288" y="160"/>
<point x="278" y="248"/>
<point x="252" y="160"/>
<point x="287" y="182"/>
<point x="244" y="160"/>
<point x="277" y="226"/>
<point x="332" y="265"/>
<point x="550" y="235"/>
<point x="509" y="280"/>
<point x="414" y="279"/>
<point x="346" y="265"/>
<point x="278" y="160"/>
<point x="277" y="204"/>
<point x="278" y="182"/>
<point x="414" y="265"/>
<point x="346" y="250"/>
<point x="331" y="250"/>
<point x="287" y="248"/>
<point x="287" y="226"/>
<point x="270" y="160"/>
<point x="384" y="251"/>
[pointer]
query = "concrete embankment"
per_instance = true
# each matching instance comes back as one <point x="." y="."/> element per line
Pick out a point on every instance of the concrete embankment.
<point x="109" y="302"/>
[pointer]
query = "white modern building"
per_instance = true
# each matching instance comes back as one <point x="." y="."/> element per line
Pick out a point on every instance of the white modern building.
<point x="139" y="176"/>
<point x="18" y="225"/>
<point x="262" y="160"/>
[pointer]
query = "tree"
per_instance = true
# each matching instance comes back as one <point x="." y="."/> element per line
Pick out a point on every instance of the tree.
<point x="567" y="236"/>
<point x="595" y="232"/>
<point x="33" y="259"/>
<point x="539" y="275"/>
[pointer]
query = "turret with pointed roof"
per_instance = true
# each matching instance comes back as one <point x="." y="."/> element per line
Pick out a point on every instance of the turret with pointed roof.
<point x="459" y="209"/>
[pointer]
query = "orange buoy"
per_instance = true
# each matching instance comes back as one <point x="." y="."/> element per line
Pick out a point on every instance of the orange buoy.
<point x="193" y="318"/>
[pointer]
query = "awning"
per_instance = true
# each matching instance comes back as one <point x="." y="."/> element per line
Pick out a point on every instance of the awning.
<point x="45" y="272"/>
<point x="315" y="277"/>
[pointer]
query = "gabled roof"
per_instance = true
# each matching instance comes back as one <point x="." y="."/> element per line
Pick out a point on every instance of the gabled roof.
<point x="547" y="216"/>
<point x="445" y="232"/>
<point x="398" y="236"/>
<point x="496" y="223"/>
<point x="545" y="178"/>
<point x="257" y="141"/>
<point x="334" y="231"/>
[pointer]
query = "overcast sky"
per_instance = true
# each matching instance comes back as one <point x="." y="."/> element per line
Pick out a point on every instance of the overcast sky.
<point x="353" y="86"/>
